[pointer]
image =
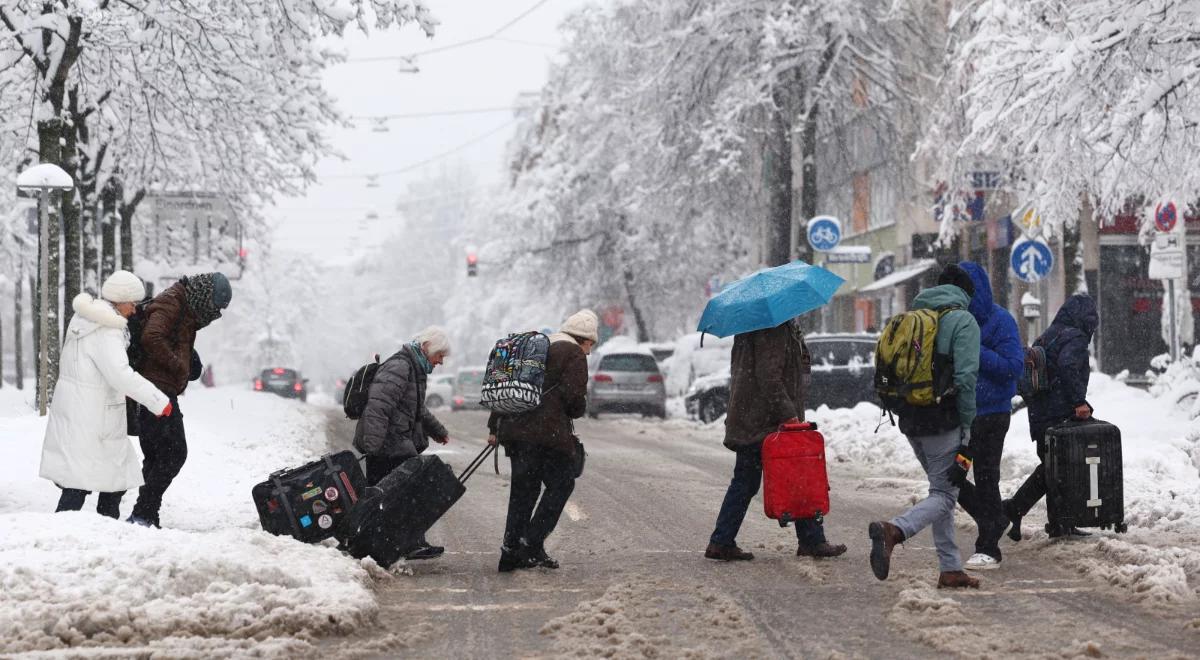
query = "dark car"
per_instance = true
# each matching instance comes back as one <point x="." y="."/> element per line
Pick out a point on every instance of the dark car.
<point x="285" y="382"/>
<point x="843" y="373"/>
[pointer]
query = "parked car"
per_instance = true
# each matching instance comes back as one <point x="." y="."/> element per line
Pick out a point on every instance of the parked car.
<point x="690" y="360"/>
<point x="626" y="381"/>
<point x="843" y="374"/>
<point x="282" y="381"/>
<point x="339" y="390"/>
<point x="468" y="386"/>
<point x="439" y="391"/>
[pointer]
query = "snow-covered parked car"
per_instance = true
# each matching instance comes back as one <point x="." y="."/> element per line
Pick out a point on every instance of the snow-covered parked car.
<point x="439" y="390"/>
<point x="843" y="375"/>
<point x="691" y="361"/>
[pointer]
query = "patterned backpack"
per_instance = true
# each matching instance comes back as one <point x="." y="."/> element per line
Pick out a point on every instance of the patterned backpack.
<point x="516" y="371"/>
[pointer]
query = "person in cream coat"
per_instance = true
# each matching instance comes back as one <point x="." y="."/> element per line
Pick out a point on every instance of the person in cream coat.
<point x="86" y="447"/>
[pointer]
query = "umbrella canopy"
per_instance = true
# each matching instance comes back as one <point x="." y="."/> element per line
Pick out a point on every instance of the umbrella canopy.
<point x="768" y="298"/>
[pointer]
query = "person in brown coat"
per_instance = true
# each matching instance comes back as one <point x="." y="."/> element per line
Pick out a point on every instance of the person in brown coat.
<point x="541" y="446"/>
<point x="769" y="370"/>
<point x="169" y="326"/>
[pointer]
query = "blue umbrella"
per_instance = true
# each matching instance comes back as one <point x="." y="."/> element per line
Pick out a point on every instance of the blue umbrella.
<point x="768" y="298"/>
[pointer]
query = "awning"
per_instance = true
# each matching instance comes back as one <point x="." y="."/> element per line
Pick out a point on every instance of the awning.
<point x="900" y="276"/>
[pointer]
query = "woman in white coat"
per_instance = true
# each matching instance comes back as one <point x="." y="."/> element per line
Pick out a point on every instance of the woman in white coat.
<point x="86" y="447"/>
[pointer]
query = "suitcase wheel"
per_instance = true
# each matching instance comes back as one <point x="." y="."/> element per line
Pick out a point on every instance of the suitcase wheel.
<point x="785" y="519"/>
<point x="1120" y="528"/>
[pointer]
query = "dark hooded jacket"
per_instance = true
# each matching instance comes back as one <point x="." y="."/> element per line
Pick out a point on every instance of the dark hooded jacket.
<point x="1001" y="353"/>
<point x="395" y="422"/>
<point x="167" y="340"/>
<point x="1066" y="344"/>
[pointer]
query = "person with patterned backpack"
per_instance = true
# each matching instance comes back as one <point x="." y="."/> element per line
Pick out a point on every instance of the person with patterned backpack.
<point x="540" y="441"/>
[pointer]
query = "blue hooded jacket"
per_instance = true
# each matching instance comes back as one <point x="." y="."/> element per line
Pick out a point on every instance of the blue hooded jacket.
<point x="1066" y="343"/>
<point x="1001" y="353"/>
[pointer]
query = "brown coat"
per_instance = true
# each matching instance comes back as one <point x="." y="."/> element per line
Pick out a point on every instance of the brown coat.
<point x="564" y="398"/>
<point x="167" y="341"/>
<point x="769" y="370"/>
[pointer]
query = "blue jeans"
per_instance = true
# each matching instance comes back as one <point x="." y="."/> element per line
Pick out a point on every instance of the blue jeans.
<point x="747" y="475"/>
<point x="936" y="455"/>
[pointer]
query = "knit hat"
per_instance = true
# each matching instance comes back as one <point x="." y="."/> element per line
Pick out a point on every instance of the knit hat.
<point x="123" y="286"/>
<point x="222" y="291"/>
<point x="954" y="274"/>
<point x="583" y="324"/>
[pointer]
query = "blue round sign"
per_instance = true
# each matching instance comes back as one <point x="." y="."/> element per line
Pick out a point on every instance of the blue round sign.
<point x="824" y="233"/>
<point x="1031" y="259"/>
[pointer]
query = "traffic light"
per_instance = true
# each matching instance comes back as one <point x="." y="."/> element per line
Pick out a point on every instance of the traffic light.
<point x="472" y="265"/>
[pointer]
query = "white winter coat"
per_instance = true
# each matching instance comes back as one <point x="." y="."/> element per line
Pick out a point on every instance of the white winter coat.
<point x="86" y="445"/>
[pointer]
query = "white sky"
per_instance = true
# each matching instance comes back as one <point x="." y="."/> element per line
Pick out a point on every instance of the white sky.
<point x="484" y="75"/>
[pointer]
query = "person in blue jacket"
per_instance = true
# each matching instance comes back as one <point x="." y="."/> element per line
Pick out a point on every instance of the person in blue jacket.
<point x="1001" y="360"/>
<point x="1068" y="367"/>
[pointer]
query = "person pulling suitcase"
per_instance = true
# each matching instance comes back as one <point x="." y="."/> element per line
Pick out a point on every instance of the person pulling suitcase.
<point x="395" y="424"/>
<point x="1066" y="347"/>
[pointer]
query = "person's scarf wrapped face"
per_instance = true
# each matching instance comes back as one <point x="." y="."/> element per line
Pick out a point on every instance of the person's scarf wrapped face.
<point x="199" y="292"/>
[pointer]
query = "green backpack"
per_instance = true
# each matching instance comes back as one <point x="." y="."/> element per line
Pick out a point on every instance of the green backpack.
<point x="908" y="370"/>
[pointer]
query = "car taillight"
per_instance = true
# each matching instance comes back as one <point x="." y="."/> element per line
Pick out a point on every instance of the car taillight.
<point x="654" y="379"/>
<point x="299" y="387"/>
<point x="458" y="401"/>
<point x="602" y="378"/>
<point x="258" y="384"/>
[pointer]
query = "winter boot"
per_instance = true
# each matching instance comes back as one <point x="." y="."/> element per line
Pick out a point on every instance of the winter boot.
<point x="956" y="580"/>
<point x="727" y="553"/>
<point x="135" y="520"/>
<point x="1010" y="512"/>
<point x="820" y="550"/>
<point x="884" y="537"/>
<point x="425" y="552"/>
<point x="537" y="557"/>
<point x="511" y="560"/>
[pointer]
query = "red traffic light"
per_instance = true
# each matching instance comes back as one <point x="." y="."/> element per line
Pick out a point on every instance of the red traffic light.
<point x="472" y="259"/>
<point x="242" y="253"/>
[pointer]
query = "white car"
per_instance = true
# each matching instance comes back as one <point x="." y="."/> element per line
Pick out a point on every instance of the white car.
<point x="439" y="391"/>
<point x="691" y="361"/>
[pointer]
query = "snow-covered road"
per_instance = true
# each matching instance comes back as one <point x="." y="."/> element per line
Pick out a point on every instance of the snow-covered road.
<point x="634" y="583"/>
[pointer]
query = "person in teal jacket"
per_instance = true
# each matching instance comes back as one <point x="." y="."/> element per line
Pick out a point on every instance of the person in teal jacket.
<point x="940" y="435"/>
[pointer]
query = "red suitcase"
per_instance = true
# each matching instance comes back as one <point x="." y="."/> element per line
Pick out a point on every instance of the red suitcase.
<point x="795" y="484"/>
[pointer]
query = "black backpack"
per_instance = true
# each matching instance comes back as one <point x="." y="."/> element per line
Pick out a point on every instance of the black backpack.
<point x="354" y="398"/>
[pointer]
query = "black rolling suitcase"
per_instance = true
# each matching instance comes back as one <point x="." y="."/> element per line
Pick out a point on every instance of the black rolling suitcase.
<point x="1084" y="479"/>
<point x="308" y="502"/>
<point x="395" y="513"/>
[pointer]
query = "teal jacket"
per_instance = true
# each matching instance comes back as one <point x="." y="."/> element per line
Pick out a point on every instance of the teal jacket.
<point x="957" y="337"/>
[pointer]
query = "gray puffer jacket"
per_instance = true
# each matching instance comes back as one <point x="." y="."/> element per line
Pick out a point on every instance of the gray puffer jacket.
<point x="395" y="422"/>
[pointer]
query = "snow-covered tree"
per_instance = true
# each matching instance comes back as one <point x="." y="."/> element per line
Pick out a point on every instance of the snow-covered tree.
<point x="1095" y="98"/>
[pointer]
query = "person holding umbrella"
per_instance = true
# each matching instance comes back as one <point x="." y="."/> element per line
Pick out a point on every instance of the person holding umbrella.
<point x="769" y="372"/>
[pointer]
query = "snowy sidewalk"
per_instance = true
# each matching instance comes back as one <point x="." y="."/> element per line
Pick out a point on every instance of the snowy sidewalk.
<point x="210" y="582"/>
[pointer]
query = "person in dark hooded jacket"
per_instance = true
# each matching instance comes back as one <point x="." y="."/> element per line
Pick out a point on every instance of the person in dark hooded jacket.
<point x="1001" y="359"/>
<point x="1067" y="364"/>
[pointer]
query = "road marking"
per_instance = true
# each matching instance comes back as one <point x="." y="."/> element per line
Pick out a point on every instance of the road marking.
<point x="493" y="607"/>
<point x="1048" y="590"/>
<point x="574" y="512"/>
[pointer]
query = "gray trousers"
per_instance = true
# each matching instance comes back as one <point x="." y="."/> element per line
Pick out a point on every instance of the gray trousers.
<point x="936" y="454"/>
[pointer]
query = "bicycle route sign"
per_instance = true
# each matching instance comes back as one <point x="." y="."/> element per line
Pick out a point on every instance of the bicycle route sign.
<point x="824" y="233"/>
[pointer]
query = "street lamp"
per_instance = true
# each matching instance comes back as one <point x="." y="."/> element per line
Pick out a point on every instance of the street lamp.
<point x="42" y="180"/>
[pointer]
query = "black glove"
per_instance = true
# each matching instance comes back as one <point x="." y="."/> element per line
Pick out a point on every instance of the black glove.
<point x="962" y="465"/>
<point x="196" y="368"/>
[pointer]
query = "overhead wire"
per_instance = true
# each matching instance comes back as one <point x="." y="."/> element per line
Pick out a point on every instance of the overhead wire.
<point x="432" y="159"/>
<point x="493" y="35"/>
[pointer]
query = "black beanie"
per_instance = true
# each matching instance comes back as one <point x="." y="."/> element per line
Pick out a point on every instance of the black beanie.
<point x="954" y="274"/>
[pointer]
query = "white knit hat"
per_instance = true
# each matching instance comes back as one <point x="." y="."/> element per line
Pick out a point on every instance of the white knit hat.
<point x="583" y="324"/>
<point x="123" y="286"/>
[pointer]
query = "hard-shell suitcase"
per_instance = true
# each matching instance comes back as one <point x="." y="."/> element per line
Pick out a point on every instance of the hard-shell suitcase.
<point x="795" y="483"/>
<point x="308" y="502"/>
<point x="395" y="513"/>
<point x="1084" y="482"/>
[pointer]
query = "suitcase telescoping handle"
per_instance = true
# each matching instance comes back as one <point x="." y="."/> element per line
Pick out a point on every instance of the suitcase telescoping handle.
<point x="475" y="463"/>
<point x="802" y="426"/>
